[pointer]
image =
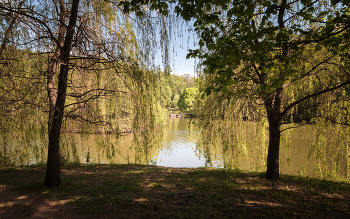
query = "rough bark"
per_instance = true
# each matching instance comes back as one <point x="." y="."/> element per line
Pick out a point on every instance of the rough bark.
<point x="51" y="72"/>
<point x="273" y="109"/>
<point x="50" y="87"/>
<point x="54" y="63"/>
<point x="273" y="151"/>
<point x="53" y="170"/>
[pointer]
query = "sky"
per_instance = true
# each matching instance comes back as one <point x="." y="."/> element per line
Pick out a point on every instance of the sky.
<point x="179" y="64"/>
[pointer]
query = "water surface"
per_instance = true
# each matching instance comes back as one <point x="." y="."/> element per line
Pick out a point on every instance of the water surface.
<point x="178" y="145"/>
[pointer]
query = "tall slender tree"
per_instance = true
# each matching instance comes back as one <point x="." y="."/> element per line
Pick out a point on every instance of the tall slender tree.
<point x="53" y="175"/>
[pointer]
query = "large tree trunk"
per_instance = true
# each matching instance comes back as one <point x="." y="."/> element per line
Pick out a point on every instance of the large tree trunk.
<point x="273" y="151"/>
<point x="53" y="170"/>
<point x="273" y="108"/>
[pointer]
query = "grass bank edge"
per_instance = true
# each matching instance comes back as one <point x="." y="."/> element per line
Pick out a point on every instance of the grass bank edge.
<point x="303" y="181"/>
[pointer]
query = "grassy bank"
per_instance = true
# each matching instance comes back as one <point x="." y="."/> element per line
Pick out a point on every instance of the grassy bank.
<point x="133" y="191"/>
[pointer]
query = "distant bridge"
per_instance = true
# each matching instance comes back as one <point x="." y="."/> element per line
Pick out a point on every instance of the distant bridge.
<point x="181" y="115"/>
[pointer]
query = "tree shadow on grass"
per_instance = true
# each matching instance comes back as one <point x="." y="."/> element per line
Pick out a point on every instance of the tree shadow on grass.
<point x="132" y="191"/>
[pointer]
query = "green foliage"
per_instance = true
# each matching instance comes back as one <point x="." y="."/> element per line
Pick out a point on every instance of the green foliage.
<point x="244" y="41"/>
<point x="137" y="6"/>
<point x="109" y="90"/>
<point x="174" y="100"/>
<point x="166" y="95"/>
<point x="187" y="99"/>
<point x="171" y="87"/>
<point x="285" y="60"/>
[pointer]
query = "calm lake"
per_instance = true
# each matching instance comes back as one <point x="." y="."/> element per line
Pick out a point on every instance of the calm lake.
<point x="177" y="145"/>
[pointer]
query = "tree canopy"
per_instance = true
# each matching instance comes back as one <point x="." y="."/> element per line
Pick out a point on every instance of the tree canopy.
<point x="276" y="54"/>
<point x="187" y="99"/>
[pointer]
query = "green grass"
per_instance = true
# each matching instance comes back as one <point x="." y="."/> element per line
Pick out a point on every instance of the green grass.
<point x="134" y="191"/>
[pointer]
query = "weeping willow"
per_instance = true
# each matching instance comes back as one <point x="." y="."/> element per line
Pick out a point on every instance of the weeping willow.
<point x="23" y="123"/>
<point x="112" y="87"/>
